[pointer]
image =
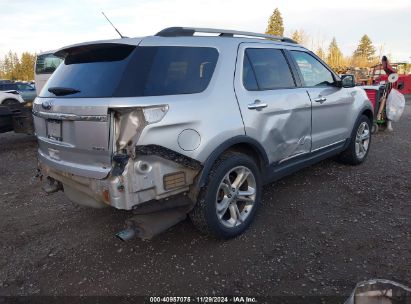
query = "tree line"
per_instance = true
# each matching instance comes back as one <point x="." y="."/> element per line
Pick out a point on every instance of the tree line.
<point x="13" y="67"/>
<point x="363" y="56"/>
<point x="22" y="68"/>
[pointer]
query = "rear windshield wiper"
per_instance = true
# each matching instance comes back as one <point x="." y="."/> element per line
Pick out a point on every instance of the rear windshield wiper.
<point x="60" y="91"/>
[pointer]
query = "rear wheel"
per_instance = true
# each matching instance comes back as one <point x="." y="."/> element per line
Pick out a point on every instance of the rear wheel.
<point x="227" y="205"/>
<point x="357" y="151"/>
<point x="9" y="102"/>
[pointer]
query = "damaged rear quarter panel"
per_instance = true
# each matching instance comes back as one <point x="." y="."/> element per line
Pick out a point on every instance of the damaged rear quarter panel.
<point x="213" y="113"/>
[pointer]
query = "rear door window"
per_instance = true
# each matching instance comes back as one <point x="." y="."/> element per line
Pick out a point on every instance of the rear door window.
<point x="270" y="68"/>
<point x="117" y="70"/>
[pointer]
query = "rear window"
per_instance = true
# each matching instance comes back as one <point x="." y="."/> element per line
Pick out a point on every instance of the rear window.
<point x="118" y="70"/>
<point x="47" y="63"/>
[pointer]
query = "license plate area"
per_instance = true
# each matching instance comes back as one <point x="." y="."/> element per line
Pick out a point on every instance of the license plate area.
<point x="54" y="129"/>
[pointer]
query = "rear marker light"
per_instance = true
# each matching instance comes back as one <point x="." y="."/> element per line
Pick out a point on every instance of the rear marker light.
<point x="106" y="196"/>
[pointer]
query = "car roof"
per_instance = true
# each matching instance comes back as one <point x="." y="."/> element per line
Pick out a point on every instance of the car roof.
<point x="179" y="35"/>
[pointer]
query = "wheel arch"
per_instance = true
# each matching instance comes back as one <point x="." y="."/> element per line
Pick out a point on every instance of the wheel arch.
<point x="243" y="144"/>
<point x="368" y="112"/>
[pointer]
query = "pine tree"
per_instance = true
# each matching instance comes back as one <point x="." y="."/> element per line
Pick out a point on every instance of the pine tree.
<point x="320" y="53"/>
<point x="364" y="55"/>
<point x="296" y="36"/>
<point x="14" y="68"/>
<point x="275" y="24"/>
<point x="2" y="74"/>
<point x="27" y="66"/>
<point x="8" y="66"/>
<point x="300" y="36"/>
<point x="335" y="58"/>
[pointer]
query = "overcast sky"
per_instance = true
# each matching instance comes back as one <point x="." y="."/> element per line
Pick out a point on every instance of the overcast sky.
<point x="49" y="24"/>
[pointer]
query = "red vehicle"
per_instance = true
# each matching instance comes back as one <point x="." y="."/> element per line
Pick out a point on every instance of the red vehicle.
<point x="403" y="85"/>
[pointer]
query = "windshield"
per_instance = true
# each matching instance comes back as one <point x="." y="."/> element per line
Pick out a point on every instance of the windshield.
<point x="118" y="70"/>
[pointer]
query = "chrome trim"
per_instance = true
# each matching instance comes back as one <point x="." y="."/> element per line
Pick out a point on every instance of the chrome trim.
<point x="257" y="105"/>
<point x="55" y="142"/>
<point x="293" y="156"/>
<point x="336" y="143"/>
<point x="72" y="117"/>
<point x="320" y="99"/>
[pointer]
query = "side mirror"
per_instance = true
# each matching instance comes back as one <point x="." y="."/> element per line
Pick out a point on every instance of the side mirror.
<point x="347" y="81"/>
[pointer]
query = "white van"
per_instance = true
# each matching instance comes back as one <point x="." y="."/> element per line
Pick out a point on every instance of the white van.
<point x="46" y="64"/>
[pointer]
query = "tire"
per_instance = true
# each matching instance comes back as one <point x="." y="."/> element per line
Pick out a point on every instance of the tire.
<point x="9" y="102"/>
<point x="208" y="214"/>
<point x="360" y="142"/>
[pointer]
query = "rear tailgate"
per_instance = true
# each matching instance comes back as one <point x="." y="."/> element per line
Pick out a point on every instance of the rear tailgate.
<point x="74" y="134"/>
<point x="71" y="115"/>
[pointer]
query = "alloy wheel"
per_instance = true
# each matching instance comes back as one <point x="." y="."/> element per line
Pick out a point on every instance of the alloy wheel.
<point x="236" y="196"/>
<point x="362" y="140"/>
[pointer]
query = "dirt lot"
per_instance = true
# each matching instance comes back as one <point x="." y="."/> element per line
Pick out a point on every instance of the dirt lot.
<point x="318" y="232"/>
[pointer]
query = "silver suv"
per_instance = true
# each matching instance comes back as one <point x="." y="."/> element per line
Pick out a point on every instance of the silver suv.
<point x="193" y="123"/>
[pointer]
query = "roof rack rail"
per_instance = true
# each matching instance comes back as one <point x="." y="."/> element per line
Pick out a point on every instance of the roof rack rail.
<point x="189" y="31"/>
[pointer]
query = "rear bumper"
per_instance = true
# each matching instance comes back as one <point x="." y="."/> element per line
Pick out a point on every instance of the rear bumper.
<point x="80" y="190"/>
<point x="73" y="168"/>
<point x="145" y="179"/>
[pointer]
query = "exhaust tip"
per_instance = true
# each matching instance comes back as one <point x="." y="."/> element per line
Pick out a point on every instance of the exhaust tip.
<point x="126" y="234"/>
<point x="51" y="185"/>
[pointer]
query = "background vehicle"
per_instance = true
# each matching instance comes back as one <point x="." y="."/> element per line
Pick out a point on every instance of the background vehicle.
<point x="46" y="64"/>
<point x="403" y="85"/>
<point x="11" y="104"/>
<point x="27" y="91"/>
<point x="210" y="119"/>
<point x="10" y="97"/>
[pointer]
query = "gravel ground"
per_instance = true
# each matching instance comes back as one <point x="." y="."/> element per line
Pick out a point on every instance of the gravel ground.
<point x="318" y="231"/>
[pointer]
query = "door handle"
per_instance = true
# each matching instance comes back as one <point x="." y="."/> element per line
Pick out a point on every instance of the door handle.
<point x="320" y="99"/>
<point x="257" y="105"/>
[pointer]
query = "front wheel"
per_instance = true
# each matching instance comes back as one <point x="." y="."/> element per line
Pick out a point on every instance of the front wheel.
<point x="357" y="151"/>
<point x="227" y="205"/>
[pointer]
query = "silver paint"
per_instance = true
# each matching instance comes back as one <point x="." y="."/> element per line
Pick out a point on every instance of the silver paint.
<point x="287" y="123"/>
